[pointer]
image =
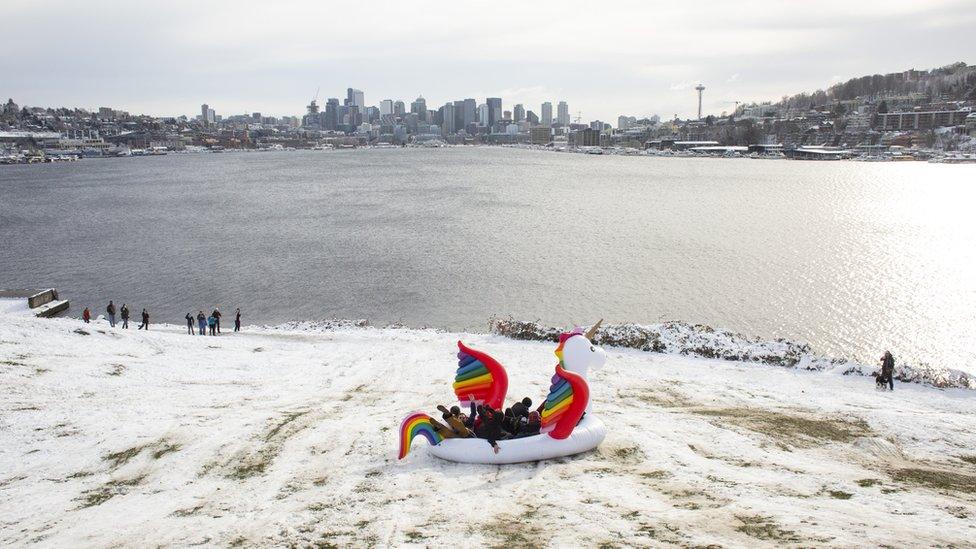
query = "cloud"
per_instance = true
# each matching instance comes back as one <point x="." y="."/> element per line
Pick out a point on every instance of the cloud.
<point x="626" y="57"/>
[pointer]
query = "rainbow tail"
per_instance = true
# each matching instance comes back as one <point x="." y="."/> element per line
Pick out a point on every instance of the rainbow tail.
<point x="417" y="423"/>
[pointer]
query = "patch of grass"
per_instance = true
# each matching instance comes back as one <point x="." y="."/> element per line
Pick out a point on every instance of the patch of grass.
<point x="868" y="482"/>
<point x="838" y="494"/>
<point x="938" y="480"/>
<point x="119" y="459"/>
<point x="11" y="363"/>
<point x="109" y="490"/>
<point x="187" y="512"/>
<point x="166" y="447"/>
<point x="289" y="417"/>
<point x="969" y="459"/>
<point x="788" y="427"/>
<point x="655" y="474"/>
<point x="764" y="528"/>
<point x="258" y="349"/>
<point x="415" y="535"/>
<point x="117" y="369"/>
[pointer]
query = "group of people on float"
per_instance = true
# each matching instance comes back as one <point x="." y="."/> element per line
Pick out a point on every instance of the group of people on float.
<point x="490" y="424"/>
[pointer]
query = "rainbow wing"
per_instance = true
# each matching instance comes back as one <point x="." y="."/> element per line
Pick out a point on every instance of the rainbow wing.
<point x="417" y="424"/>
<point x="481" y="376"/>
<point x="568" y="396"/>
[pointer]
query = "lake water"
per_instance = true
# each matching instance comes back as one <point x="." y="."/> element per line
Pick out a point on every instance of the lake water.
<point x="851" y="257"/>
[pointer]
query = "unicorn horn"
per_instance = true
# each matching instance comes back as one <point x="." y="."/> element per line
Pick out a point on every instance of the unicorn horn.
<point x="592" y="331"/>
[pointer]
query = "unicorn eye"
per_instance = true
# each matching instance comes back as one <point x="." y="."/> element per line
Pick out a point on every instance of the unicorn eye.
<point x="592" y="350"/>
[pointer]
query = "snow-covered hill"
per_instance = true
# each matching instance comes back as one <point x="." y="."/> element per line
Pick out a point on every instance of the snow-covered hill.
<point x="288" y="436"/>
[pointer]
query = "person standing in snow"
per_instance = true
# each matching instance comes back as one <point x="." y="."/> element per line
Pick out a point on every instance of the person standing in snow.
<point x="86" y="316"/>
<point x="145" y="320"/>
<point x="124" y="311"/>
<point x="888" y="370"/>
<point x="189" y="324"/>
<point x="237" y="320"/>
<point x="110" y="310"/>
<point x="212" y="322"/>
<point x="216" y="315"/>
<point x="202" y="322"/>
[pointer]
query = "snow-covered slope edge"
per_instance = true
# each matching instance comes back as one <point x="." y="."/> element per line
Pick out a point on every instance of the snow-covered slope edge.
<point x="287" y="438"/>
<point x="697" y="340"/>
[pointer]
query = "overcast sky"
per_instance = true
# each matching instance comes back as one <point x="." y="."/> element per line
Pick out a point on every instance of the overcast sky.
<point x="604" y="58"/>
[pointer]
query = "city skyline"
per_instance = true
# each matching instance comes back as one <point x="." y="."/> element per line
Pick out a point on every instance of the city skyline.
<point x="271" y="59"/>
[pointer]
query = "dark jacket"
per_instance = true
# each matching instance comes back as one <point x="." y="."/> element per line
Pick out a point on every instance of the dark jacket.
<point x="125" y="312"/>
<point x="110" y="309"/>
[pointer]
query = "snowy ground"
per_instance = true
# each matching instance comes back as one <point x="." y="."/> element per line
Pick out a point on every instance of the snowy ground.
<point x="282" y="437"/>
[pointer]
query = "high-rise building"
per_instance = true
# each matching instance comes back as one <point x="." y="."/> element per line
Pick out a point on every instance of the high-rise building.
<point x="331" y="121"/>
<point x="386" y="107"/>
<point x="494" y="110"/>
<point x="419" y="107"/>
<point x="399" y="109"/>
<point x="531" y="118"/>
<point x="470" y="112"/>
<point x="355" y="97"/>
<point x="447" y="125"/>
<point x="546" y="114"/>
<point x="458" y="115"/>
<point x="519" y="112"/>
<point x="209" y="116"/>
<point x="484" y="118"/>
<point x="562" y="114"/>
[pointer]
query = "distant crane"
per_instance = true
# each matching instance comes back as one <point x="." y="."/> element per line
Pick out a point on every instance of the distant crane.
<point x="579" y="116"/>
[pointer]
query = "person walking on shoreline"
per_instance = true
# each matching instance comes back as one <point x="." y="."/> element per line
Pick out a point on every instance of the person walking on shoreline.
<point x="888" y="370"/>
<point x="111" y="313"/>
<point x="124" y="311"/>
<point x="216" y="315"/>
<point x="202" y="323"/>
<point x="189" y="324"/>
<point x="237" y="320"/>
<point x="145" y="320"/>
<point x="86" y="315"/>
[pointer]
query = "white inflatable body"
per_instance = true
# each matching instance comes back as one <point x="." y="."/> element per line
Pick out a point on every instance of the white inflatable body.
<point x="587" y="435"/>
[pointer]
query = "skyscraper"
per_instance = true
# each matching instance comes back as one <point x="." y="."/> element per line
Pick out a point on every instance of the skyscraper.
<point x="355" y="97"/>
<point x="447" y="125"/>
<point x="546" y="114"/>
<point x="331" y="114"/>
<point x="399" y="109"/>
<point x="562" y="115"/>
<point x="386" y="107"/>
<point x="419" y="107"/>
<point x="494" y="110"/>
<point x="519" y="113"/>
<point x="470" y="112"/>
<point x="209" y="116"/>
<point x="484" y="118"/>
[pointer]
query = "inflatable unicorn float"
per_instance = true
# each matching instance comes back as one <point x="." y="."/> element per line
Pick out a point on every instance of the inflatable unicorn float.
<point x="568" y="427"/>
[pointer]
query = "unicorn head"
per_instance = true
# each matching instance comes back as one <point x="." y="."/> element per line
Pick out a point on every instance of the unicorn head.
<point x="577" y="353"/>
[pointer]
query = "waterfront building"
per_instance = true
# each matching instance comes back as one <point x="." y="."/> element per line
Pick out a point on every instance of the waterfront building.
<point x="921" y="120"/>
<point x="546" y="114"/>
<point x="562" y="115"/>
<point x="540" y="135"/>
<point x="386" y="107"/>
<point x="519" y="112"/>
